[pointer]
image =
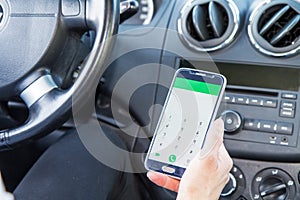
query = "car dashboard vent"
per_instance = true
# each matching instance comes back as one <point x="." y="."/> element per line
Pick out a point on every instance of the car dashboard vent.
<point x="207" y="21"/>
<point x="274" y="28"/>
<point x="208" y="25"/>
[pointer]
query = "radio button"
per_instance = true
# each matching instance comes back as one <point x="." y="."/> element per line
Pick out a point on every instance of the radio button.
<point x="287" y="113"/>
<point x="255" y="101"/>
<point x="233" y="99"/>
<point x="267" y="126"/>
<point x="251" y="124"/>
<point x="241" y="100"/>
<point x="270" y="103"/>
<point x="285" y="128"/>
<point x="232" y="121"/>
<point x="227" y="98"/>
<point x="289" y="96"/>
<point x="288" y="104"/>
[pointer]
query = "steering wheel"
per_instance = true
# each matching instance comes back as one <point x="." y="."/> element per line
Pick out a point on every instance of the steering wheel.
<point x="33" y="35"/>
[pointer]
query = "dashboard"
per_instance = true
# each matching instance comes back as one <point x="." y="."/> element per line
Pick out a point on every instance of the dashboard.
<point x="256" y="45"/>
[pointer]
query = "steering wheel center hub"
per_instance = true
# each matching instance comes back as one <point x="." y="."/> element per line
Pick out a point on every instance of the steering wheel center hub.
<point x="30" y="36"/>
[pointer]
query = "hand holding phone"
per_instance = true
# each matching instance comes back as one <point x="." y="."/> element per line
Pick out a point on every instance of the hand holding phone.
<point x="212" y="163"/>
<point x="191" y="105"/>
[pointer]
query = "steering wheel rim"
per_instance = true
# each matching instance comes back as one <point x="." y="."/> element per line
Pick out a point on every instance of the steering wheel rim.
<point x="49" y="106"/>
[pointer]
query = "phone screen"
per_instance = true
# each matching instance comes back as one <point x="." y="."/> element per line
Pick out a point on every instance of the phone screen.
<point x="185" y="119"/>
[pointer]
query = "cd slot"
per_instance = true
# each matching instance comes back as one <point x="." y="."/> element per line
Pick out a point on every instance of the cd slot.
<point x="252" y="92"/>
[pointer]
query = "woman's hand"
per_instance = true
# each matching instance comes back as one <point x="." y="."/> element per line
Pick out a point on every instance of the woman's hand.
<point x="208" y="172"/>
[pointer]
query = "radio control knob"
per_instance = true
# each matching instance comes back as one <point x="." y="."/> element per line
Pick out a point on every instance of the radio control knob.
<point x="230" y="186"/>
<point x="232" y="121"/>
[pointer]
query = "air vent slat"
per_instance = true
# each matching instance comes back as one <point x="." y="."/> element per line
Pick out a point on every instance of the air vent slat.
<point x="198" y="16"/>
<point x="288" y="27"/>
<point x="273" y="20"/>
<point x="216" y="19"/>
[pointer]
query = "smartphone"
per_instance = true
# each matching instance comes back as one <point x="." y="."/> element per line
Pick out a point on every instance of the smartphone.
<point x="191" y="106"/>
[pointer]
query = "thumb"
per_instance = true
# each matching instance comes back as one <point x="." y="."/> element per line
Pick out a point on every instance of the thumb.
<point x="163" y="180"/>
<point x="213" y="140"/>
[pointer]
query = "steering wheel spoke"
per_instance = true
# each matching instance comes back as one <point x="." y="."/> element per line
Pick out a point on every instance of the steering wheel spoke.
<point x="74" y="14"/>
<point x="41" y="114"/>
<point x="38" y="89"/>
<point x="83" y="14"/>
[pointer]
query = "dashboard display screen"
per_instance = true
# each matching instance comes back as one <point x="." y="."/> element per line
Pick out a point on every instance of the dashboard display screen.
<point x="281" y="78"/>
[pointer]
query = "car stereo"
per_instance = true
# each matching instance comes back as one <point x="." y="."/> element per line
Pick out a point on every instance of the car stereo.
<point x="251" y="115"/>
<point x="261" y="103"/>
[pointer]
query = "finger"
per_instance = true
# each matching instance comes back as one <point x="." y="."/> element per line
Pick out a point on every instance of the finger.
<point x="225" y="160"/>
<point x="222" y="184"/>
<point x="164" y="181"/>
<point x="214" y="139"/>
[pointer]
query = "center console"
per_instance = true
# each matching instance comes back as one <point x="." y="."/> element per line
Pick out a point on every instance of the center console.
<point x="261" y="113"/>
<point x="260" y="107"/>
<point x="262" y="180"/>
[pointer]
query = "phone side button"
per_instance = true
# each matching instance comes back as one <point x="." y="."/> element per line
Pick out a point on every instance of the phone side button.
<point x="167" y="169"/>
